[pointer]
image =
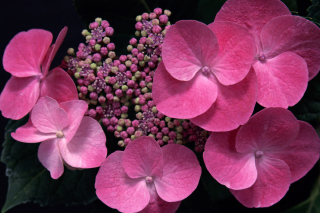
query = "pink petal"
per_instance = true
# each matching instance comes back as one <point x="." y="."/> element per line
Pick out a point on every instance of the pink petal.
<point x="157" y="205"/>
<point x="268" y="130"/>
<point x="293" y="34"/>
<point x="117" y="190"/>
<point x="29" y="134"/>
<point x="143" y="157"/>
<point x="188" y="46"/>
<point x="53" y="50"/>
<point x="26" y="51"/>
<point x="87" y="149"/>
<point x="282" y="80"/>
<point x="181" y="173"/>
<point x="242" y="95"/>
<point x="19" y="96"/>
<point x="75" y="110"/>
<point x="230" y="168"/>
<point x="237" y="50"/>
<point x="302" y="154"/>
<point x="252" y="14"/>
<point x="181" y="99"/>
<point x="59" y="86"/>
<point x="50" y="158"/>
<point x="272" y="184"/>
<point x="48" y="117"/>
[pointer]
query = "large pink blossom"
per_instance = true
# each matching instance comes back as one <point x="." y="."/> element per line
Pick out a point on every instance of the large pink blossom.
<point x="288" y="48"/>
<point x="28" y="57"/>
<point x="260" y="160"/>
<point x="147" y="178"/>
<point x="205" y="74"/>
<point x="66" y="135"/>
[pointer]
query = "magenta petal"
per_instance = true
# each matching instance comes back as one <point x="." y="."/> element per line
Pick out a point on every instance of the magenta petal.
<point x="158" y="205"/>
<point x="270" y="129"/>
<point x="53" y="50"/>
<point x="282" y="80"/>
<point x="181" y="99"/>
<point x="48" y="117"/>
<point x="181" y="173"/>
<point x="117" y="190"/>
<point x="59" y="86"/>
<point x="237" y="50"/>
<point x="252" y="14"/>
<point x="87" y="149"/>
<point x="143" y="157"/>
<point x="242" y="95"/>
<point x="19" y="96"/>
<point x="188" y="46"/>
<point x="293" y="34"/>
<point x="226" y="165"/>
<point x="272" y="184"/>
<point x="302" y="154"/>
<point x="26" y="51"/>
<point x="50" y="158"/>
<point x="75" y="111"/>
<point x="29" y="134"/>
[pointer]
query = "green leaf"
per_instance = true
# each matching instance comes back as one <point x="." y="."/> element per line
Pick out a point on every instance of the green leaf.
<point x="29" y="181"/>
<point x="312" y="204"/>
<point x="314" y="11"/>
<point x="308" y="109"/>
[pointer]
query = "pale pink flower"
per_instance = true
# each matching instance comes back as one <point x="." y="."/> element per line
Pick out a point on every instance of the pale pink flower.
<point x="147" y="178"/>
<point x="28" y="57"/>
<point x="66" y="135"/>
<point x="288" y="48"/>
<point x="259" y="160"/>
<point x="205" y="75"/>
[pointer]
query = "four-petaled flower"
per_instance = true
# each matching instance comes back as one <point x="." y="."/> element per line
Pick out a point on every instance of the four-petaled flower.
<point x="260" y="160"/>
<point x="28" y="57"/>
<point x="67" y="136"/>
<point x="148" y="178"/>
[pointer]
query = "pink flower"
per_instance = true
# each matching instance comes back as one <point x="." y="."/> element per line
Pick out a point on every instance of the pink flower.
<point x="148" y="178"/>
<point x="205" y="73"/>
<point x="260" y="160"/>
<point x="288" y="48"/>
<point x="28" y="58"/>
<point x="66" y="135"/>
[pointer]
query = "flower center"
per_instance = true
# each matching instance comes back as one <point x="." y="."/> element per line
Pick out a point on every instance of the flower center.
<point x="205" y="70"/>
<point x="262" y="57"/>
<point x="59" y="134"/>
<point x="149" y="179"/>
<point x="258" y="154"/>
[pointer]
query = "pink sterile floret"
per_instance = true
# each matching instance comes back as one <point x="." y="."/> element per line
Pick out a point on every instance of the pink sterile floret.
<point x="147" y="178"/>
<point x="260" y="160"/>
<point x="288" y="48"/>
<point x="205" y="72"/>
<point x="28" y="57"/>
<point x="67" y="135"/>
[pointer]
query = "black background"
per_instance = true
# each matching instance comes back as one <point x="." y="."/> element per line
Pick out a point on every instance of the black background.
<point x="51" y="15"/>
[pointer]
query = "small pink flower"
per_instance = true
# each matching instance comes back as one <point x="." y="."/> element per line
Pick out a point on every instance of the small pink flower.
<point x="288" y="48"/>
<point x="28" y="58"/>
<point x="260" y="160"/>
<point x="148" y="178"/>
<point x="205" y="75"/>
<point x="66" y="135"/>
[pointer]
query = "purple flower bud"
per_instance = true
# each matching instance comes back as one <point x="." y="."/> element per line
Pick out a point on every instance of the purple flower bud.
<point x="112" y="80"/>
<point x="137" y="92"/>
<point x="84" y="90"/>
<point x="135" y="51"/>
<point x="139" y="26"/>
<point x="94" y="25"/>
<point x="108" y="89"/>
<point x="152" y="16"/>
<point x="96" y="57"/>
<point x="156" y="29"/>
<point x="157" y="11"/>
<point x="109" y="96"/>
<point x="104" y="51"/>
<point x="110" y="128"/>
<point x="105" y="122"/>
<point x="164" y="19"/>
<point x="135" y="123"/>
<point x="134" y="68"/>
<point x="145" y="16"/>
<point x="114" y="121"/>
<point x="160" y="142"/>
<point x="123" y="58"/>
<point x="99" y="109"/>
<point x="122" y="68"/>
<point x="150" y="104"/>
<point x="92" y="113"/>
<point x="93" y="95"/>
<point x="170" y="141"/>
<point x="130" y="130"/>
<point x="124" y="134"/>
<point x="111" y="46"/>
<point x="117" y="112"/>
<point x="162" y="124"/>
<point x="92" y="42"/>
<point x="109" y="31"/>
<point x="105" y="24"/>
<point x="119" y="93"/>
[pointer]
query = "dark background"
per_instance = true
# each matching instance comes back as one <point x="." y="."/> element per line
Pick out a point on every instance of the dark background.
<point x="51" y="15"/>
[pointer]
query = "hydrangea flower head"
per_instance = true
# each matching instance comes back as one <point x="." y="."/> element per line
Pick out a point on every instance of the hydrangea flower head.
<point x="259" y="160"/>
<point x="204" y="71"/>
<point x="66" y="135"/>
<point x="147" y="178"/>
<point x="28" y="57"/>
<point x="288" y="48"/>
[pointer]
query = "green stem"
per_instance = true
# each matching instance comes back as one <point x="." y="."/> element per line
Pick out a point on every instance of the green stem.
<point x="145" y="5"/>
